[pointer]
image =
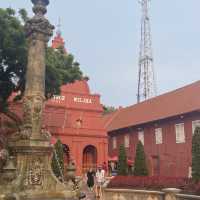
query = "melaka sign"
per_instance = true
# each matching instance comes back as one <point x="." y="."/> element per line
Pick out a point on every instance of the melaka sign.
<point x="58" y="98"/>
<point x="82" y="100"/>
<point x="76" y="99"/>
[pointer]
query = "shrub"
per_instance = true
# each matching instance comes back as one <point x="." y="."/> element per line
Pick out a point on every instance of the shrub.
<point x="196" y="155"/>
<point x="58" y="159"/>
<point x="155" y="183"/>
<point x="140" y="167"/>
<point x="122" y="167"/>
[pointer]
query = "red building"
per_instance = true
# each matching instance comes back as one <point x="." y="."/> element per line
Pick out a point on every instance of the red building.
<point x="75" y="117"/>
<point x="164" y="124"/>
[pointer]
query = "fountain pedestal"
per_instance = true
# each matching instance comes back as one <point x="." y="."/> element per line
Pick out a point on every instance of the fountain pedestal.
<point x="35" y="179"/>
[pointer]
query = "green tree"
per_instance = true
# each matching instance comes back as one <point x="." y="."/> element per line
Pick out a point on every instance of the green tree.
<point x="13" y="55"/>
<point x="57" y="163"/>
<point x="196" y="155"/>
<point x="122" y="167"/>
<point x="60" y="68"/>
<point x="108" y="109"/>
<point x="140" y="167"/>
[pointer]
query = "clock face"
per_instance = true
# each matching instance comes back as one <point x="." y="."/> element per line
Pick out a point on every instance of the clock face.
<point x="79" y="123"/>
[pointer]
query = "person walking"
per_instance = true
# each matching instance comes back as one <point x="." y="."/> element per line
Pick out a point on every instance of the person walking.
<point x="100" y="178"/>
<point x="90" y="179"/>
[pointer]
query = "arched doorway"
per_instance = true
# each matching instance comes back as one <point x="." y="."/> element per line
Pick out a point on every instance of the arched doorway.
<point x="89" y="158"/>
<point x="66" y="151"/>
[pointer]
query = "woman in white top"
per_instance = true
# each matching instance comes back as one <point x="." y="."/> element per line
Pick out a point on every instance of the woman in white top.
<point x="100" y="178"/>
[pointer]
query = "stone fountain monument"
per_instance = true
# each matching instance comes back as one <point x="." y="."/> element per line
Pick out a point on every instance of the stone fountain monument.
<point x="26" y="173"/>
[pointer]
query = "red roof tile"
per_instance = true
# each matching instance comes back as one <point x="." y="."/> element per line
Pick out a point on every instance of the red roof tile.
<point x="177" y="102"/>
<point x="108" y="118"/>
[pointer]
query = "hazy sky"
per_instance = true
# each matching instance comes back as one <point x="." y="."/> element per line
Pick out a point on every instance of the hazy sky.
<point x="104" y="37"/>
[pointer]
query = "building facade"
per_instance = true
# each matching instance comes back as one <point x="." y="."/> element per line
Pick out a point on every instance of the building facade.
<point x="75" y="117"/>
<point x="165" y="125"/>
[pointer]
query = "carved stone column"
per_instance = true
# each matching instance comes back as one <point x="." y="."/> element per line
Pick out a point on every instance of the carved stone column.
<point x="38" y="31"/>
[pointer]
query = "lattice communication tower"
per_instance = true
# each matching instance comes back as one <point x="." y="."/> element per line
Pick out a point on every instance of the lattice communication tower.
<point x="146" y="77"/>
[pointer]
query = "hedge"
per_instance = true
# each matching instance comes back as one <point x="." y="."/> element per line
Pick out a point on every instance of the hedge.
<point x="155" y="183"/>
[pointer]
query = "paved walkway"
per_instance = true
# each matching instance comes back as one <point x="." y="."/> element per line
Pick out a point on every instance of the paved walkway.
<point x="89" y="194"/>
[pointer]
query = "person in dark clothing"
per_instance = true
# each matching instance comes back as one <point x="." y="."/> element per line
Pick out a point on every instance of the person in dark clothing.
<point x="90" y="179"/>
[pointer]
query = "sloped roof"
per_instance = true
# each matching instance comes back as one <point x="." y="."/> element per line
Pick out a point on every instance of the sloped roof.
<point x="108" y="118"/>
<point x="177" y="102"/>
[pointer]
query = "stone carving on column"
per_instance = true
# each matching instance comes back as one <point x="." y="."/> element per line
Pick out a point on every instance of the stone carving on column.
<point x="35" y="172"/>
<point x="26" y="132"/>
<point x="9" y="170"/>
<point x="3" y="158"/>
<point x="33" y="107"/>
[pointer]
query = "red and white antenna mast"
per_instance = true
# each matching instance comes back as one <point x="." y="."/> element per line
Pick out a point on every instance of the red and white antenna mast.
<point x="146" y="76"/>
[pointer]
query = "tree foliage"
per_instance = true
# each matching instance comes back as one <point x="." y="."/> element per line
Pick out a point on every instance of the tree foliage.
<point x="196" y="155"/>
<point x="60" y="67"/>
<point x="108" y="109"/>
<point x="140" y="167"/>
<point x="122" y="167"/>
<point x="13" y="55"/>
<point x="57" y="163"/>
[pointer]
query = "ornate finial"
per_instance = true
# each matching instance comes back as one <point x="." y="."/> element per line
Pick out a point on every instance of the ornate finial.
<point x="43" y="2"/>
<point x="40" y="6"/>
<point x="39" y="24"/>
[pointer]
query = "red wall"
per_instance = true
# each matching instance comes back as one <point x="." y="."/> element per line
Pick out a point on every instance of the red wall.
<point x="174" y="159"/>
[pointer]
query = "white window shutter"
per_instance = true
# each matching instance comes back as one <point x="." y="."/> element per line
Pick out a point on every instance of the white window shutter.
<point x="158" y="136"/>
<point x="126" y="141"/>
<point x="141" y="136"/>
<point x="180" y="133"/>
